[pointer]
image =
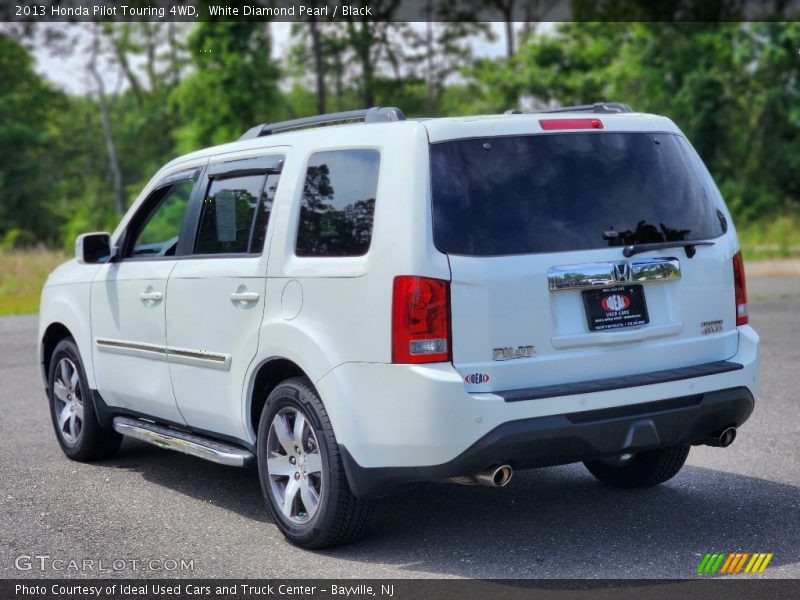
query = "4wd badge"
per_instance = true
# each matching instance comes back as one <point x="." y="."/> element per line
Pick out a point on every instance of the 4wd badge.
<point x="511" y="352"/>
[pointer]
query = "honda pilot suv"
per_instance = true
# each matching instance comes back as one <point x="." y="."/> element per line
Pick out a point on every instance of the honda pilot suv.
<point x="357" y="302"/>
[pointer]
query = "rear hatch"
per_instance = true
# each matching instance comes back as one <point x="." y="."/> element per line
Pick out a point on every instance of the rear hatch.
<point x="543" y="290"/>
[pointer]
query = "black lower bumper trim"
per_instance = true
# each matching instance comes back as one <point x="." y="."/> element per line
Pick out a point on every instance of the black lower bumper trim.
<point x="617" y="383"/>
<point x="574" y="437"/>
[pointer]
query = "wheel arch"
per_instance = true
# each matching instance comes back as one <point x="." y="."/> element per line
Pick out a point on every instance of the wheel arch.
<point x="265" y="378"/>
<point x="285" y="350"/>
<point x="53" y="334"/>
<point x="65" y="312"/>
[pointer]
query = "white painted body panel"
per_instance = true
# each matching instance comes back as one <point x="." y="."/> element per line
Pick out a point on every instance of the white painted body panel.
<point x="66" y="300"/>
<point x="517" y="309"/>
<point x="201" y="316"/>
<point x="140" y="383"/>
<point x="396" y="415"/>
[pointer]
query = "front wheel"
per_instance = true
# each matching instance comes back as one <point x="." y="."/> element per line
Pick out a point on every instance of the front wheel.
<point x="78" y="431"/>
<point x="641" y="470"/>
<point x="301" y="471"/>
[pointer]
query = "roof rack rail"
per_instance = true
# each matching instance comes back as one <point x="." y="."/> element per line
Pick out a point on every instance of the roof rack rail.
<point x="597" y="107"/>
<point x="376" y="114"/>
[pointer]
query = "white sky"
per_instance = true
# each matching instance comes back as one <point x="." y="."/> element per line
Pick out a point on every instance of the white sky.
<point x="68" y="71"/>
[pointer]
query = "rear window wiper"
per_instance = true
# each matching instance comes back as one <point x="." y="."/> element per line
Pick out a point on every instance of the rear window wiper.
<point x="688" y="246"/>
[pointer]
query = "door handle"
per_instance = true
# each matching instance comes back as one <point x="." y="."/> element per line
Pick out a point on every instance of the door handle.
<point x="151" y="296"/>
<point x="244" y="297"/>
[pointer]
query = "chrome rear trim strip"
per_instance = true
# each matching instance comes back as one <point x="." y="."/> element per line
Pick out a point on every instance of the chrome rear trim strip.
<point x="182" y="441"/>
<point x="609" y="274"/>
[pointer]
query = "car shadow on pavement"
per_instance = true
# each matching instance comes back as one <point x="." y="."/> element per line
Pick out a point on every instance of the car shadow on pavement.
<point x="557" y="522"/>
<point x="561" y="522"/>
<point x="230" y="488"/>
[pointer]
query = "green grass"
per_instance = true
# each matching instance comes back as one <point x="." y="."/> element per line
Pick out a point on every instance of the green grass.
<point x="22" y="275"/>
<point x="778" y="238"/>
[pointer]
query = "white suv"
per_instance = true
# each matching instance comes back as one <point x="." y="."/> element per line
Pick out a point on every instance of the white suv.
<point x="356" y="302"/>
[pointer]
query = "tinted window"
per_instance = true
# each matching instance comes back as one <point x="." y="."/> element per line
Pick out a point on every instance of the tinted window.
<point x="552" y="193"/>
<point x="227" y="218"/>
<point x="159" y="234"/>
<point x="263" y="213"/>
<point x="338" y="203"/>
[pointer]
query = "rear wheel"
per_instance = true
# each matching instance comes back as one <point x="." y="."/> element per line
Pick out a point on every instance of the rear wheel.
<point x="78" y="431"/>
<point x="644" y="469"/>
<point x="301" y="471"/>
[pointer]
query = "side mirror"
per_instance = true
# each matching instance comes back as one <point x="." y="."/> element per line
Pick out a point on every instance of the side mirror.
<point x="93" y="248"/>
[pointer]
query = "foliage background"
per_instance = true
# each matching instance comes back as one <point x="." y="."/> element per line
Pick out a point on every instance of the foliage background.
<point x="73" y="163"/>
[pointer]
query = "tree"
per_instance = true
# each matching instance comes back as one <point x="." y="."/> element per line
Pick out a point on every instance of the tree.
<point x="27" y="105"/>
<point x="233" y="85"/>
<point x="363" y="63"/>
<point x="368" y="41"/>
<point x="374" y="42"/>
<point x="768" y="168"/>
<point x="571" y="65"/>
<point x="438" y="52"/>
<point x="312" y="49"/>
<point x="733" y="88"/>
<point x="108" y="136"/>
<point x="319" y="71"/>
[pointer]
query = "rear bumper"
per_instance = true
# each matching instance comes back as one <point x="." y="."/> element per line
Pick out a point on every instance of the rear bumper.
<point x="573" y="437"/>
<point x="407" y="423"/>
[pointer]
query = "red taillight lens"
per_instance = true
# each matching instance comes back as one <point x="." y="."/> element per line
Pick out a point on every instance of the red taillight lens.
<point x="740" y="286"/>
<point x="548" y="124"/>
<point x="420" y="320"/>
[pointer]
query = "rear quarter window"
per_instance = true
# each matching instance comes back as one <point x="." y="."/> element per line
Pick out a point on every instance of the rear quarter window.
<point x="573" y="191"/>
<point x="338" y="203"/>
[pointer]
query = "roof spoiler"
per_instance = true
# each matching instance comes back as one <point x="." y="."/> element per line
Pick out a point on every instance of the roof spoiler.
<point x="597" y="107"/>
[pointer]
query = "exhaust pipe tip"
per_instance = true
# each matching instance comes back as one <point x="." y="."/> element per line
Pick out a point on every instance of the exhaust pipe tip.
<point x="496" y="476"/>
<point x="723" y="439"/>
<point x="727" y="437"/>
<point x="503" y="475"/>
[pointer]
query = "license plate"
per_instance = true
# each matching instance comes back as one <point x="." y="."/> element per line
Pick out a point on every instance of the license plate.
<point x="615" y="307"/>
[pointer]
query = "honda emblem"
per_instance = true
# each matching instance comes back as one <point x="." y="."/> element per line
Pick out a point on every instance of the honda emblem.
<point x="622" y="271"/>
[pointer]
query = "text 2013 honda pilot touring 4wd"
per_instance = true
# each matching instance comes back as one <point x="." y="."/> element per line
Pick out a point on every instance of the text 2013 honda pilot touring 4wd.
<point x="357" y="302"/>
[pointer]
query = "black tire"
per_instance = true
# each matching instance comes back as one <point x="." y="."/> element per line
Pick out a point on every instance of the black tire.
<point x="339" y="517"/>
<point x="90" y="441"/>
<point x="645" y="469"/>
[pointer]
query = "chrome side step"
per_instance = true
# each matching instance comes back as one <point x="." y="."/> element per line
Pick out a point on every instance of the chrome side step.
<point x="182" y="441"/>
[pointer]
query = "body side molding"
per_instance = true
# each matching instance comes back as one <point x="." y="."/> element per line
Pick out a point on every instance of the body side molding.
<point x="186" y="356"/>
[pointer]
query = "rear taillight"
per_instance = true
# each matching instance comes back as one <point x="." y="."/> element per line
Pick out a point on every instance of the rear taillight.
<point x="741" y="290"/>
<point x="420" y="320"/>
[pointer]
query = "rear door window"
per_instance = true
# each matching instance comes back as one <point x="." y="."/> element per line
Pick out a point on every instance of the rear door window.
<point x="564" y="192"/>
<point x="235" y="214"/>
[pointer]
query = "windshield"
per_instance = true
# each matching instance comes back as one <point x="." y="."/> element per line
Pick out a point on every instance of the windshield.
<point x="573" y="191"/>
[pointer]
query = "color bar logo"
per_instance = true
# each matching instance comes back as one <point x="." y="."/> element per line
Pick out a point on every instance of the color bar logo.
<point x="733" y="563"/>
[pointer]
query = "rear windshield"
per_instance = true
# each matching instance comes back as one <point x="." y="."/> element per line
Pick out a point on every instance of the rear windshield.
<point x="574" y="191"/>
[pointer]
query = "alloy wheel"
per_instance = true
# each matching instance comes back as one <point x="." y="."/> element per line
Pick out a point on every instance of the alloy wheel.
<point x="68" y="401"/>
<point x="294" y="466"/>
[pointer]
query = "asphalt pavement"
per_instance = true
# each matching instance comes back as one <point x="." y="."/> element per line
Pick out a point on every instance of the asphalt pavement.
<point x="150" y="504"/>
